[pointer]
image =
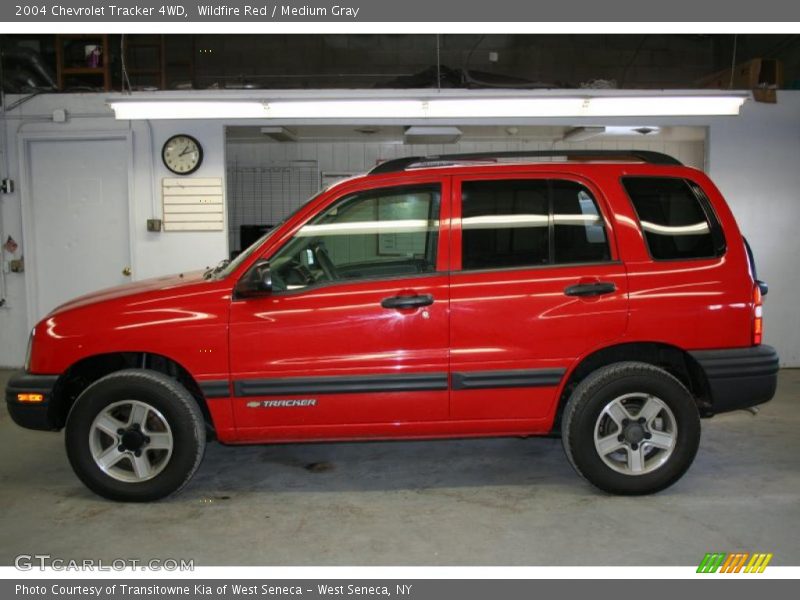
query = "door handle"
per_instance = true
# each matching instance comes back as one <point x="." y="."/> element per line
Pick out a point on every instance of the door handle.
<point x="126" y="271"/>
<point x="407" y="301"/>
<point x="590" y="289"/>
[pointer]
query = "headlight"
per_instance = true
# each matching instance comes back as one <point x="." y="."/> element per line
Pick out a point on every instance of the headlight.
<point x="28" y="352"/>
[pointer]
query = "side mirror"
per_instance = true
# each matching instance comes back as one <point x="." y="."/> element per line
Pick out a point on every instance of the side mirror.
<point x="256" y="282"/>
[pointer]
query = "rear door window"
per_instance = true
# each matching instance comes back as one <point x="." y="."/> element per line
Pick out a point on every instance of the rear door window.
<point x="504" y="224"/>
<point x="579" y="235"/>
<point x="676" y="218"/>
<point x="529" y="223"/>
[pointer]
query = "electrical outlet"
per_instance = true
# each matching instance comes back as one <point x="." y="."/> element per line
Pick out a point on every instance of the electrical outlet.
<point x="17" y="265"/>
<point x="7" y="186"/>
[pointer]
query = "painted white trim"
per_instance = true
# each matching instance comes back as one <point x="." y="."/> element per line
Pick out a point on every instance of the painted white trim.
<point x="24" y="142"/>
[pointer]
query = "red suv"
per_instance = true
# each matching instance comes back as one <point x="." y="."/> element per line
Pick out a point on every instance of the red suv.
<point x="605" y="296"/>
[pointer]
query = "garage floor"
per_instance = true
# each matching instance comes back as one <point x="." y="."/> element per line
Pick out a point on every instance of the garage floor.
<point x="493" y="502"/>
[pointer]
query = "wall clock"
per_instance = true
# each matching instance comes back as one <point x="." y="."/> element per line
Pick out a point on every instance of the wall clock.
<point x="182" y="154"/>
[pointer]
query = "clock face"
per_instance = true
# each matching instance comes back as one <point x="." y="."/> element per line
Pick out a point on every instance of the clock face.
<point x="182" y="154"/>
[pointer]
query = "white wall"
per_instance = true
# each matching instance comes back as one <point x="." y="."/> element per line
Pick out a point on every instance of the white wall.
<point x="755" y="161"/>
<point x="753" y="158"/>
<point x="357" y="157"/>
<point x="153" y="253"/>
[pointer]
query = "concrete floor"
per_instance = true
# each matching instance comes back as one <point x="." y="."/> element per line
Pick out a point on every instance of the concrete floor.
<point x="466" y="502"/>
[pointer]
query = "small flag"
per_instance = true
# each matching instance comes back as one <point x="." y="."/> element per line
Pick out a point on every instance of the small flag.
<point x="10" y="245"/>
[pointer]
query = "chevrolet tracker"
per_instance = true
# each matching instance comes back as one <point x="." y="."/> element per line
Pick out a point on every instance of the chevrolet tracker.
<point x="606" y="297"/>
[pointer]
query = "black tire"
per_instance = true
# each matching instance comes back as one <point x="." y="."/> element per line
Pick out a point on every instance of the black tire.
<point x="608" y="383"/>
<point x="178" y="408"/>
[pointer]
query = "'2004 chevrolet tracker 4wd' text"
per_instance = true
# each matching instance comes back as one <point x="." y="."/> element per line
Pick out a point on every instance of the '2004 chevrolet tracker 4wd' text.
<point x="608" y="297"/>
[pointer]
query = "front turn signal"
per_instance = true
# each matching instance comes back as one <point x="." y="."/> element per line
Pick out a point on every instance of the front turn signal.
<point x="30" y="398"/>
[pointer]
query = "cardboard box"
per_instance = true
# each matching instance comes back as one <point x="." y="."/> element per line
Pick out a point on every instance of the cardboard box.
<point x="756" y="73"/>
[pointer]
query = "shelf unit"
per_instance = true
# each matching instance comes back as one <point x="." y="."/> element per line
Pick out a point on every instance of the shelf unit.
<point x="146" y="60"/>
<point x="66" y="71"/>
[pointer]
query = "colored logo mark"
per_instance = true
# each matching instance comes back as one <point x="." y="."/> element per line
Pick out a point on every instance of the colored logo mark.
<point x="736" y="562"/>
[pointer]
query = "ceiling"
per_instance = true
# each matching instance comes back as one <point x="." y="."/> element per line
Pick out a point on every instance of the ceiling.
<point x="394" y="134"/>
<point x="345" y="61"/>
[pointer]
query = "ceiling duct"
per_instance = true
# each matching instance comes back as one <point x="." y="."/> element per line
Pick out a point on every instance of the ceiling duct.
<point x="431" y="135"/>
<point x="279" y="134"/>
<point x="581" y="134"/>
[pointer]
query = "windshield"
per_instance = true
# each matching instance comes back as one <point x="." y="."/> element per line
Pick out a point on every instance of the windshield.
<point x="225" y="268"/>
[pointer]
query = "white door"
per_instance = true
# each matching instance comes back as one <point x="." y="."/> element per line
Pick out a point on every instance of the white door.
<point x="77" y="218"/>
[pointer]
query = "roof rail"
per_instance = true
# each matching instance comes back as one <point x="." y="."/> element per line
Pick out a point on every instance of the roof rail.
<point x="402" y="164"/>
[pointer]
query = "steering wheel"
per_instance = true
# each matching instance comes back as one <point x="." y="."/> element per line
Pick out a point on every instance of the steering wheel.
<point x="325" y="262"/>
<point x="293" y="273"/>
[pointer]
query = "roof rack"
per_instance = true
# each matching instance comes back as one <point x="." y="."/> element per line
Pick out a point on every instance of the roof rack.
<point x="402" y="164"/>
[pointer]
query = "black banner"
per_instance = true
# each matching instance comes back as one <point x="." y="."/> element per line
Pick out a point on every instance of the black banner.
<point x="444" y="11"/>
<point x="730" y="588"/>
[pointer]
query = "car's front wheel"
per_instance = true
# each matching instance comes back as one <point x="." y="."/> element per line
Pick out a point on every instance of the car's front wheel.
<point x="135" y="435"/>
<point x="631" y="428"/>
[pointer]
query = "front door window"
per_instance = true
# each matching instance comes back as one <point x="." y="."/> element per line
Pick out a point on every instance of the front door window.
<point x="368" y="235"/>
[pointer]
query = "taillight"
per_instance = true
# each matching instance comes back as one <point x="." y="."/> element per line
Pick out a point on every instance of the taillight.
<point x="758" y="319"/>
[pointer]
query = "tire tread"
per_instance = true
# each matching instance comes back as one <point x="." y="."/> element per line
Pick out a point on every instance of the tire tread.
<point x="178" y="393"/>
<point x="591" y="384"/>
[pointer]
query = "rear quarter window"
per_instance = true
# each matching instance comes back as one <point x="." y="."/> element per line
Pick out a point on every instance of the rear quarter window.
<point x="676" y="218"/>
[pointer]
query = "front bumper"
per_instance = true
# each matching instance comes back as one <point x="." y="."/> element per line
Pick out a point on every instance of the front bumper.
<point x="33" y="415"/>
<point x="739" y="377"/>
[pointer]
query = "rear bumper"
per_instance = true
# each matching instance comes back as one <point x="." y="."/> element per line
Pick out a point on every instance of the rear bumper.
<point x="28" y="414"/>
<point x="739" y="377"/>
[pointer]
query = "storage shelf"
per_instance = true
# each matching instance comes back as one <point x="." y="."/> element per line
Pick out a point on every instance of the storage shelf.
<point x="155" y="71"/>
<point x="63" y="71"/>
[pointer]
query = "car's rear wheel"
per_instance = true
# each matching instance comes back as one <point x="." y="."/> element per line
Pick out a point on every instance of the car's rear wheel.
<point x="631" y="428"/>
<point x="135" y="435"/>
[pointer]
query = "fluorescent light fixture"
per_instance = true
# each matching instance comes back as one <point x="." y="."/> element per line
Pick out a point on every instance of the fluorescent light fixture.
<point x="434" y="108"/>
<point x="505" y="107"/>
<point x="650" y="106"/>
<point x="581" y="134"/>
<point x="187" y="109"/>
<point x="604" y="106"/>
<point x="431" y="135"/>
<point x="344" y="109"/>
<point x="279" y="134"/>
